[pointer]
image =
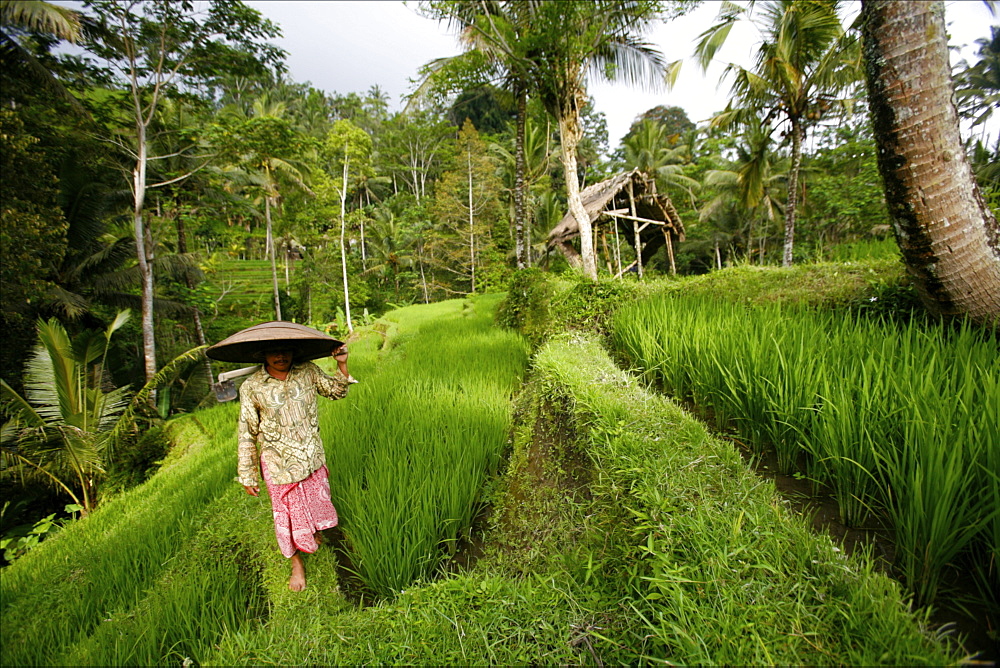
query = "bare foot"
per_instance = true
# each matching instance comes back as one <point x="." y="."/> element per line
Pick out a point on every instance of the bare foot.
<point x="298" y="580"/>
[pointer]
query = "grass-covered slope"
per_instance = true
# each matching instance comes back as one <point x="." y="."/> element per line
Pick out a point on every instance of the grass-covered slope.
<point x="622" y="532"/>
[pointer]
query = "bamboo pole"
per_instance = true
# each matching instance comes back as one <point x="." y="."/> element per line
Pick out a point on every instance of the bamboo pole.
<point x="635" y="228"/>
<point x="670" y="250"/>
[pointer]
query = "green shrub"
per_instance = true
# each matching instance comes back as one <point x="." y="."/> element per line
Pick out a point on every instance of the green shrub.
<point x="589" y="306"/>
<point x="135" y="462"/>
<point x="525" y="308"/>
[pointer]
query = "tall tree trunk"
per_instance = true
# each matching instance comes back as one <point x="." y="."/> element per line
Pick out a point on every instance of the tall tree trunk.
<point x="364" y="255"/>
<point x="286" y="267"/>
<point x="343" y="241"/>
<point x="144" y="255"/>
<point x="472" y="231"/>
<point x="949" y="239"/>
<point x="520" y="183"/>
<point x="569" y="133"/>
<point x="423" y="278"/>
<point x="270" y="254"/>
<point x="793" y="192"/>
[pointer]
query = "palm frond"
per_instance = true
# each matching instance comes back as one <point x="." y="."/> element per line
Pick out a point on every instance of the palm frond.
<point x="52" y="380"/>
<point x="124" y="422"/>
<point x="20" y="411"/>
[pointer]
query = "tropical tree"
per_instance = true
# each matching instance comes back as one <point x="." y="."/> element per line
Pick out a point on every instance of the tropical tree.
<point x="496" y="36"/>
<point x="410" y="149"/>
<point x="538" y="158"/>
<point x="568" y="42"/>
<point x="59" y="428"/>
<point x="748" y="198"/>
<point x="468" y="208"/>
<point x="20" y="17"/>
<point x="392" y="245"/>
<point x="156" y="48"/>
<point x="265" y="149"/>
<point x="949" y="238"/>
<point x="651" y="150"/>
<point x="351" y="147"/>
<point x="977" y="87"/>
<point x="673" y="120"/>
<point x="805" y="65"/>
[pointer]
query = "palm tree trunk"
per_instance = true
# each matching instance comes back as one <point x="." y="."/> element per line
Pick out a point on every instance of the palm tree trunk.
<point x="793" y="192"/>
<point x="520" y="199"/>
<point x="569" y="133"/>
<point x="949" y="239"/>
<point x="270" y="254"/>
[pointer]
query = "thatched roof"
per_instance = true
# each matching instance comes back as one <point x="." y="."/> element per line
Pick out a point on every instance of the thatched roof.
<point x="613" y="195"/>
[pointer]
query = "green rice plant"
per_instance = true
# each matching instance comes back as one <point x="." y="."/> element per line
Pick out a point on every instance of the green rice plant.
<point x="843" y="440"/>
<point x="723" y="572"/>
<point x="102" y="564"/>
<point x="986" y="552"/>
<point x="936" y="500"/>
<point x="889" y="416"/>
<point x="411" y="448"/>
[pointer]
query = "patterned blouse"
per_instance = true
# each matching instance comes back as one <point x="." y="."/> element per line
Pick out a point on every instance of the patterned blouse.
<point x="280" y="416"/>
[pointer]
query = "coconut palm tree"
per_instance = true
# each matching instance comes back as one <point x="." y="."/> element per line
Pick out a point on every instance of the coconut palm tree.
<point x="34" y="16"/>
<point x="978" y="87"/>
<point x="649" y="150"/>
<point x="531" y="174"/>
<point x="38" y="16"/>
<point x="751" y="190"/>
<point x="262" y="151"/>
<point x="570" y="41"/>
<point x="949" y="238"/>
<point x="805" y="65"/>
<point x="392" y="246"/>
<point x="495" y="36"/>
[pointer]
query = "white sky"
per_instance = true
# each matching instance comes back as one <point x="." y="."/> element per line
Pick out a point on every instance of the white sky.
<point x="347" y="46"/>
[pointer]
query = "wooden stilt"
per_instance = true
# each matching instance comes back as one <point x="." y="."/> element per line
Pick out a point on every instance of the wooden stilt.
<point x="635" y="228"/>
<point x="670" y="250"/>
<point x="607" y="255"/>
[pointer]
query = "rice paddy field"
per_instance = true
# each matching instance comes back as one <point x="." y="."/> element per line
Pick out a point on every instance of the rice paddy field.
<point x="408" y="454"/>
<point x="900" y="421"/>
<point x="609" y="526"/>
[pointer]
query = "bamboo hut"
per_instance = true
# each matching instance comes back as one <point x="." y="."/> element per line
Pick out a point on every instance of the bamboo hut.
<point x="624" y="206"/>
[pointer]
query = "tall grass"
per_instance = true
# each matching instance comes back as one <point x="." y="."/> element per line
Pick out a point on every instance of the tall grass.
<point x="409" y="450"/>
<point x="896" y="419"/>
<point x="97" y="569"/>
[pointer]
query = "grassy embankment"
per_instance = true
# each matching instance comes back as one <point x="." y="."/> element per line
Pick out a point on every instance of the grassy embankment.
<point x="622" y="532"/>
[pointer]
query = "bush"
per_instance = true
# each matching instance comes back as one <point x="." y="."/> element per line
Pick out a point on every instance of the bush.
<point x="526" y="307"/>
<point x="588" y="306"/>
<point x="135" y="463"/>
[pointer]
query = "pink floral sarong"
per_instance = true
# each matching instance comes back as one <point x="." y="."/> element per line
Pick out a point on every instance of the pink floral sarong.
<point x="300" y="510"/>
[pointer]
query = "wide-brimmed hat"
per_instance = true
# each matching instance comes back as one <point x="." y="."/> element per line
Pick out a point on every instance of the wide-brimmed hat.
<point x="250" y="344"/>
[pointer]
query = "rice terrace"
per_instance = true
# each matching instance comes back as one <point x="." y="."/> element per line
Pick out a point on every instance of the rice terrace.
<point x="295" y="377"/>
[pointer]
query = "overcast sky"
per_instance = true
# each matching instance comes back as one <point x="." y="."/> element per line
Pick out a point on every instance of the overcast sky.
<point x="347" y="46"/>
